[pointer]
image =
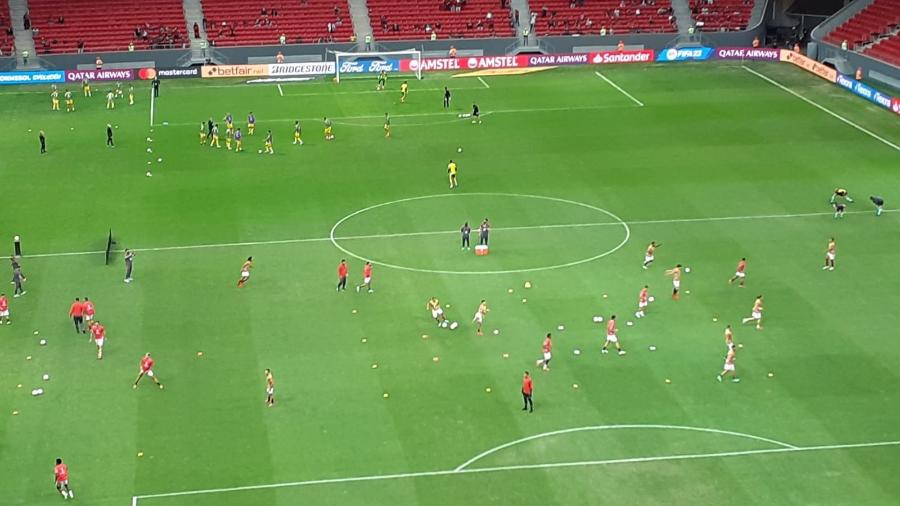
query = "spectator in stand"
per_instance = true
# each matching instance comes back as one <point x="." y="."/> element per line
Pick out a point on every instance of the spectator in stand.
<point x="282" y="39"/>
<point x="452" y="52"/>
<point x="131" y="47"/>
<point x="98" y="64"/>
<point x="620" y="46"/>
<point x="517" y="17"/>
<point x="279" y="57"/>
<point x="433" y="35"/>
<point x="845" y="45"/>
<point x="755" y="41"/>
<point x="26" y="21"/>
<point x="196" y="30"/>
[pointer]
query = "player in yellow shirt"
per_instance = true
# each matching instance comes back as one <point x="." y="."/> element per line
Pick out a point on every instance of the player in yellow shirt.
<point x="229" y="124"/>
<point x="238" y="141"/>
<point x="110" y="100"/>
<point x="229" y="135"/>
<point x="269" y="148"/>
<point x="215" y="136"/>
<point x="298" y="132"/>
<point x="202" y="134"/>
<point x="70" y="102"/>
<point x="251" y="123"/>
<point x="86" y="88"/>
<point x="404" y="91"/>
<point x="387" y="125"/>
<point x="329" y="132"/>
<point x="131" y="95"/>
<point x="451" y="172"/>
<point x="54" y="100"/>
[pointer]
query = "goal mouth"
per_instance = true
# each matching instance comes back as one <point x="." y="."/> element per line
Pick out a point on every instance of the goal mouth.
<point x="370" y="64"/>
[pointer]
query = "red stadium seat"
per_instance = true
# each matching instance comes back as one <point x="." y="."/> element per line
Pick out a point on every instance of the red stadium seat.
<point x="416" y="19"/>
<point x="103" y="27"/>
<point x="722" y="15"/>
<point x="247" y="22"/>
<point x="568" y="17"/>
<point x="878" y="18"/>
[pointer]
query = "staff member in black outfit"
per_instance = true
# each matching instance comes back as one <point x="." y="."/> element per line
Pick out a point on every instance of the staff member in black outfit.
<point x="465" y="231"/>
<point x="43" y="139"/>
<point x="156" y="87"/>
<point x="109" y="136"/>
<point x="483" y="232"/>
<point x="446" y="97"/>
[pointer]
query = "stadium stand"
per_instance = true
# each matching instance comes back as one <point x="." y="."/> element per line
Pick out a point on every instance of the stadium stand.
<point x="887" y="50"/>
<point x="7" y="41"/>
<point x="85" y="25"/>
<point x="722" y="15"/>
<point x="417" y="19"/>
<point x="246" y="22"/>
<point x="878" y="19"/>
<point x="569" y="17"/>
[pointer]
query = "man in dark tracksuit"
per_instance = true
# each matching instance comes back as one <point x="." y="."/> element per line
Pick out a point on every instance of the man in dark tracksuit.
<point x="465" y="231"/>
<point x="483" y="232"/>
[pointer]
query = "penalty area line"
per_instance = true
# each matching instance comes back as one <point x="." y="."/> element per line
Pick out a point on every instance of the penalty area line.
<point x="520" y="467"/>
<point x="822" y="108"/>
<point x="280" y="91"/>
<point x="616" y="86"/>
<point x="486" y="85"/>
<point x="447" y="232"/>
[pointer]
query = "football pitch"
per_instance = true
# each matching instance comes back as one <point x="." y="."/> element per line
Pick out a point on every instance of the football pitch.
<point x="578" y="170"/>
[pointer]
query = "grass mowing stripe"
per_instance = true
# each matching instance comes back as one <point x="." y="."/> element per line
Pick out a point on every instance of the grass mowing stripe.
<point x="446" y="232"/>
<point x="616" y="86"/>
<point x="822" y="108"/>
<point x="586" y="463"/>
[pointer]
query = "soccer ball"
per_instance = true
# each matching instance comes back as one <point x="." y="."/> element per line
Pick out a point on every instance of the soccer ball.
<point x="445" y="324"/>
<point x="687" y="269"/>
<point x="43" y="342"/>
<point x="651" y="298"/>
<point x="560" y="327"/>
<point x="46" y="377"/>
<point x="454" y="325"/>
<point x="159" y="159"/>
<point x="629" y="323"/>
<point x="459" y="150"/>
<point x="651" y="348"/>
<point x="496" y="332"/>
<point x="259" y="151"/>
<point x="576" y="351"/>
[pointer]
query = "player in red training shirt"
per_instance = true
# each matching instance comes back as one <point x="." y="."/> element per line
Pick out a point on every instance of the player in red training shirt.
<point x="76" y="311"/>
<point x="367" y="278"/>
<point x="4" y="309"/>
<point x="739" y="273"/>
<point x="89" y="311"/>
<point x="611" y="336"/>
<point x="527" y="389"/>
<point x="61" y="475"/>
<point x="547" y="347"/>
<point x="343" y="271"/>
<point x="643" y="302"/>
<point x="147" y="370"/>
<point x="98" y="334"/>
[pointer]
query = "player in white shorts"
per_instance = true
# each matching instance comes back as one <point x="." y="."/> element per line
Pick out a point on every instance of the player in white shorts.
<point x="434" y="305"/>
<point x="728" y="368"/>
<point x="479" y="316"/>
<point x="675" y="272"/>
<point x="648" y="256"/>
<point x="756" y="313"/>
<point x="611" y="336"/>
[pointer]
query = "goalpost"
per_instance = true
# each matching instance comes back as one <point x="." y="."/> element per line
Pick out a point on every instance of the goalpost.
<point x="373" y="62"/>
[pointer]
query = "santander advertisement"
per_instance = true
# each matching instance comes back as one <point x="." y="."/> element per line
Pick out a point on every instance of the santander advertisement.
<point x="524" y="61"/>
<point x="642" y="56"/>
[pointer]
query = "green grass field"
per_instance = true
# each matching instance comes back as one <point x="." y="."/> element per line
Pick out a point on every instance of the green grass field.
<point x="577" y="179"/>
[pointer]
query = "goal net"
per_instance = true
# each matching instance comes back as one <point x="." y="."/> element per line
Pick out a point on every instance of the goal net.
<point x="348" y="64"/>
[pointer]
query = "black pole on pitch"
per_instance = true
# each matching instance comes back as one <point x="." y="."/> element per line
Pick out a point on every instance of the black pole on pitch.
<point x="17" y="244"/>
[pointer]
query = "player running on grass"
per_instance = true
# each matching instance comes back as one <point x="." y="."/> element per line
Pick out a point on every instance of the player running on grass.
<point x="270" y="388"/>
<point x="648" y="256"/>
<point x="367" y="278"/>
<point x="729" y="337"/>
<point x="739" y="273"/>
<point x="478" y="320"/>
<point x="61" y="477"/>
<point x="387" y="125"/>
<point x="4" y="309"/>
<point x="756" y="313"/>
<point x="404" y="91"/>
<point x="728" y="368"/>
<point x="245" y="272"/>
<point x="675" y="272"/>
<point x="434" y="305"/>
<point x="643" y="302"/>
<point x="451" y="174"/>
<point x="830" y="255"/>
<point x="298" y="133"/>
<point x="547" y="349"/>
<point x="611" y="336"/>
<point x="841" y="193"/>
<point x="147" y="370"/>
<point x="98" y="335"/>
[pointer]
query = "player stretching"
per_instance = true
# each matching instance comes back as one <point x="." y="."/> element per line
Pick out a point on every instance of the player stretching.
<point x="4" y="309"/>
<point x="367" y="279"/>
<point x="830" y="254"/>
<point x="238" y="141"/>
<point x="611" y="336"/>
<point x="70" y="102"/>
<point x="676" y="280"/>
<point x="147" y="370"/>
<point x="245" y="272"/>
<point x="434" y="305"/>
<point x="739" y="273"/>
<point x="387" y="125"/>
<point x="298" y="133"/>
<point x="729" y="337"/>
<point x="756" y="313"/>
<point x="451" y="174"/>
<point x="270" y="389"/>
<point x="841" y="193"/>
<point x="839" y="208"/>
<point x="54" y="100"/>
<point x="728" y="368"/>
<point x="269" y="149"/>
<point x="329" y="129"/>
<point x="547" y="348"/>
<point x="648" y="257"/>
<point x="110" y="100"/>
<point x="61" y="475"/>
<point x="643" y="302"/>
<point x="478" y="320"/>
<point x="878" y="202"/>
<point x="98" y="333"/>
<point x="404" y="91"/>
<point x="86" y="88"/>
<point x="251" y="124"/>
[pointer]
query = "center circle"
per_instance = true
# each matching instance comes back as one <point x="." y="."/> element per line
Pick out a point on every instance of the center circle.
<point x="616" y="222"/>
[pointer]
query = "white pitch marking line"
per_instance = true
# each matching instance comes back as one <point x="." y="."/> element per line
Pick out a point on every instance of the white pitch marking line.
<point x="822" y="108"/>
<point x="616" y="86"/>
<point x="280" y="91"/>
<point x="366" y="92"/>
<point x="486" y="85"/>
<point x="634" y="460"/>
<point x="504" y="446"/>
<point x="152" y="104"/>
<point x="446" y="232"/>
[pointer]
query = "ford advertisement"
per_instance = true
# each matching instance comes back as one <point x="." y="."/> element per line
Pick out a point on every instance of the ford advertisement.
<point x="33" y="77"/>
<point x="685" y="54"/>
<point x="369" y="66"/>
<point x="748" y="53"/>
